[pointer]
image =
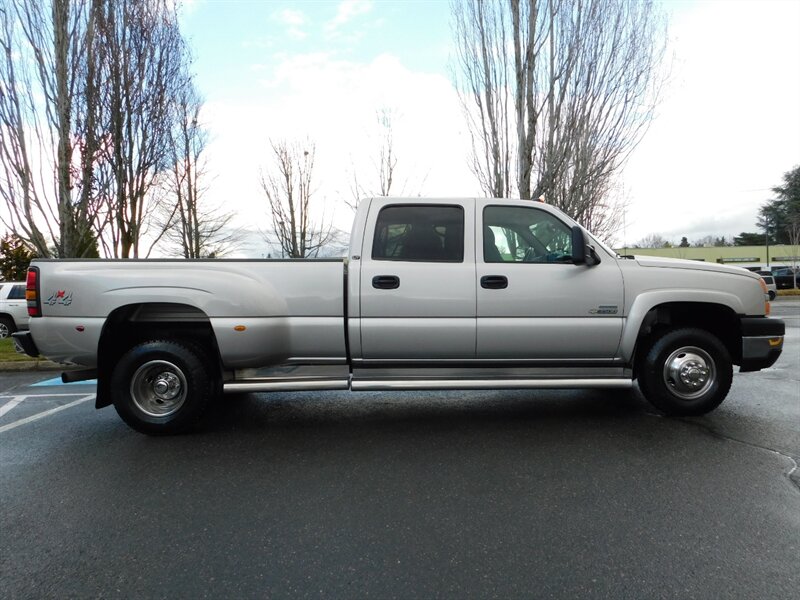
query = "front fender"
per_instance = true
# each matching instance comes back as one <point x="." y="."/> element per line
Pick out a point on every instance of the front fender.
<point x="647" y="301"/>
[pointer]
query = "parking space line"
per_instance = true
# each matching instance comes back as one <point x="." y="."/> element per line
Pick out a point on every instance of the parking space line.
<point x="46" y="413"/>
<point x="10" y="404"/>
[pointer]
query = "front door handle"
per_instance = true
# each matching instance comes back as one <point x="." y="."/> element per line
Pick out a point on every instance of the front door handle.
<point x="386" y="282"/>
<point x="494" y="282"/>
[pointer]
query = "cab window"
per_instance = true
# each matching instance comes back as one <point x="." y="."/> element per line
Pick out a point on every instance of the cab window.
<point x="521" y="234"/>
<point x="421" y="233"/>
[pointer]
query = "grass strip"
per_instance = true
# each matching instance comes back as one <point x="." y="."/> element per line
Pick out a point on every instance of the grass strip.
<point x="9" y="354"/>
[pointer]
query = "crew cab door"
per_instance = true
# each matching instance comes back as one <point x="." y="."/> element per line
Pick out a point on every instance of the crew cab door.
<point x="532" y="301"/>
<point x="417" y="281"/>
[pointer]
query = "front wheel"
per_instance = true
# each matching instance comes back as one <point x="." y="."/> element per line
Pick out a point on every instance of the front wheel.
<point x="685" y="372"/>
<point x="163" y="387"/>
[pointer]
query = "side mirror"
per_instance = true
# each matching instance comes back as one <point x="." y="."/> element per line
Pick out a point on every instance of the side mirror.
<point x="582" y="253"/>
<point x="578" y="246"/>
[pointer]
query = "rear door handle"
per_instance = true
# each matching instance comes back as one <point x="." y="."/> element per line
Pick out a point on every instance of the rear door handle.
<point x="494" y="282"/>
<point x="386" y="282"/>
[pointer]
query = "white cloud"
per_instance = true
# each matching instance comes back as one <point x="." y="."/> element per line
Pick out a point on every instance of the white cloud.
<point x="296" y="33"/>
<point x="293" y="20"/>
<point x="288" y="16"/>
<point x="258" y="43"/>
<point x="347" y="11"/>
<point x="334" y="103"/>
<point x="729" y="127"/>
<point x="727" y="131"/>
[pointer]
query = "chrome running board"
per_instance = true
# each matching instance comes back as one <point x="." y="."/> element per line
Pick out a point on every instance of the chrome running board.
<point x="487" y="384"/>
<point x="275" y="384"/>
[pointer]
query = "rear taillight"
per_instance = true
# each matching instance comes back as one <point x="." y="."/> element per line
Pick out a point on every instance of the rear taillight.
<point x="32" y="295"/>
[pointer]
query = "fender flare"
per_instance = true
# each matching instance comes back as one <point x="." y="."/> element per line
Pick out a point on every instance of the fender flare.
<point x="647" y="301"/>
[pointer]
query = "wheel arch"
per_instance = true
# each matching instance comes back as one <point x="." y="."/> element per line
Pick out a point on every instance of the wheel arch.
<point x="719" y="319"/>
<point x="131" y="324"/>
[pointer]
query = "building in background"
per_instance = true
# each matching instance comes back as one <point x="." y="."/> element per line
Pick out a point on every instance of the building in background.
<point x="744" y="256"/>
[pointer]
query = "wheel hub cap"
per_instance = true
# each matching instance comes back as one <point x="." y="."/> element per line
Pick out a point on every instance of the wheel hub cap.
<point x="166" y="386"/>
<point x="689" y="372"/>
<point x="158" y="388"/>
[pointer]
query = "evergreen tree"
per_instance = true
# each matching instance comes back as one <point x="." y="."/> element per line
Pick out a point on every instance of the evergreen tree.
<point x="15" y="257"/>
<point x="747" y="238"/>
<point x="781" y="214"/>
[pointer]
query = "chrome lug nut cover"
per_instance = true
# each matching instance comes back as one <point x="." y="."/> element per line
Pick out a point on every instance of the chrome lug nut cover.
<point x="689" y="372"/>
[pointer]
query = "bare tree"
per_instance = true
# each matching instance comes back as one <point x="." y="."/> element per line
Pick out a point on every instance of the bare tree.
<point x="383" y="181"/>
<point x="481" y="35"/>
<point x="85" y="114"/>
<point x="143" y="69"/>
<point x="653" y="240"/>
<point x="288" y="187"/>
<point x="706" y="241"/>
<point x="584" y="83"/>
<point x="48" y="123"/>
<point x="189" y="224"/>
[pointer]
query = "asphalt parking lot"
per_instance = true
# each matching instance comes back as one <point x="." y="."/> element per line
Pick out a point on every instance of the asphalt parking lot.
<point x="546" y="494"/>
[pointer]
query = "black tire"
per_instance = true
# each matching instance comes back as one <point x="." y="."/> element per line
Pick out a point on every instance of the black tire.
<point x="163" y="387"/>
<point x="771" y="295"/>
<point x="685" y="372"/>
<point x="7" y="327"/>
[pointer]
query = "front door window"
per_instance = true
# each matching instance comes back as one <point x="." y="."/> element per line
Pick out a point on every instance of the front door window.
<point x="520" y="234"/>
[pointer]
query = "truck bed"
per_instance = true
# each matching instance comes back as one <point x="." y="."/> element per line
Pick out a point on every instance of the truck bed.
<point x="262" y="311"/>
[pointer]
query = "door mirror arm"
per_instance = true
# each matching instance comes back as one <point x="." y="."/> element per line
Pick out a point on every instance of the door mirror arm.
<point x="593" y="258"/>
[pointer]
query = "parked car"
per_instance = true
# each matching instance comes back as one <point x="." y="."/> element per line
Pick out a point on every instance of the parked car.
<point x="13" y="308"/>
<point x="785" y="278"/>
<point x="769" y="281"/>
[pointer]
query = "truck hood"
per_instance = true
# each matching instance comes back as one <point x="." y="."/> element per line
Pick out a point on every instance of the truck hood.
<point x="694" y="265"/>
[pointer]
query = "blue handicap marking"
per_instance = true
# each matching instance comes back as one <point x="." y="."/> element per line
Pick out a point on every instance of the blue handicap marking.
<point x="57" y="381"/>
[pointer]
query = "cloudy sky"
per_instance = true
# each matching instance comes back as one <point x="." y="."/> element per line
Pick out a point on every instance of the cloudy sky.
<point x="727" y="130"/>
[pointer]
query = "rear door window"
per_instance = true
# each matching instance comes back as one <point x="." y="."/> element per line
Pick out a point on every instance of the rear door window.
<point x="421" y="233"/>
<point x="17" y="292"/>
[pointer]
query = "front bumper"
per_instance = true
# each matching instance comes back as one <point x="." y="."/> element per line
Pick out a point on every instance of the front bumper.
<point x="25" y="340"/>
<point x="762" y="342"/>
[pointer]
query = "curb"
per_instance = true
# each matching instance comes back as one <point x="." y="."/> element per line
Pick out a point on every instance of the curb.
<point x="31" y="365"/>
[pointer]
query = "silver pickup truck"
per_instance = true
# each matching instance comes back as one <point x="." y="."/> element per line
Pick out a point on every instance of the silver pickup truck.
<point x="434" y="294"/>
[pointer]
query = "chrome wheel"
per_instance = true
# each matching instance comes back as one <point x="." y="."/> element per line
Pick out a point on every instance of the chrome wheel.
<point x="158" y="388"/>
<point x="4" y="331"/>
<point x="689" y="372"/>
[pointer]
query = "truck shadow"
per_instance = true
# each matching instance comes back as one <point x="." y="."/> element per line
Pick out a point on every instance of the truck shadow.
<point x="430" y="410"/>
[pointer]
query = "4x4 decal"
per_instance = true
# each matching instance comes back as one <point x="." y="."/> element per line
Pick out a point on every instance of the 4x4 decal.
<point x="63" y="297"/>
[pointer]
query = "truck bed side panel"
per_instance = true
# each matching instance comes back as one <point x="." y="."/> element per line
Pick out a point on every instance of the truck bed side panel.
<point x="288" y="309"/>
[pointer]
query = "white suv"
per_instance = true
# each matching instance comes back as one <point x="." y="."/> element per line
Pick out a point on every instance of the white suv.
<point x="13" y="308"/>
